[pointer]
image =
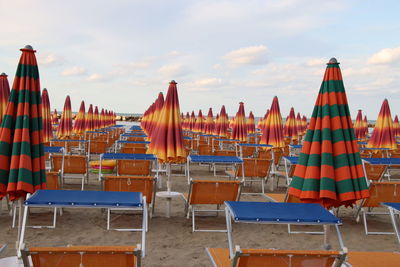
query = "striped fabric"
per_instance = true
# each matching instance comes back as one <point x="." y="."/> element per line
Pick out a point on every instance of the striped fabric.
<point x="22" y="167"/>
<point x="4" y="94"/>
<point x="262" y="124"/>
<point x="47" y="129"/>
<point x="89" y="121"/>
<point x="329" y="170"/>
<point x="239" y="127"/>
<point x="251" y="128"/>
<point x="366" y="125"/>
<point x="79" y="125"/>
<point x="272" y="131"/>
<point x="192" y="122"/>
<point x="209" y="124"/>
<point x="96" y="118"/>
<point x="396" y="126"/>
<point x="304" y="123"/>
<point x="359" y="129"/>
<point x="155" y="117"/>
<point x="290" y="129"/>
<point x="54" y="117"/>
<point x="185" y="124"/>
<point x="167" y="142"/>
<point x="221" y="126"/>
<point x="199" y="124"/>
<point x="383" y="135"/>
<point x="64" y="129"/>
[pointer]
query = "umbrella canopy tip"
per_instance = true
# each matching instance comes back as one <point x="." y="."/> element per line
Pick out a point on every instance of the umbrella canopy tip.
<point x="333" y="61"/>
<point x="28" y="47"/>
<point x="3" y="74"/>
<point x="173" y="81"/>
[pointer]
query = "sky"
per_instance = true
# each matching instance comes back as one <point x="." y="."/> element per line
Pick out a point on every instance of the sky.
<point x="120" y="54"/>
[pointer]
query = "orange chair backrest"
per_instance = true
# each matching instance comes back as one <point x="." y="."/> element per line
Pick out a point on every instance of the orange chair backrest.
<point x="264" y="154"/>
<point x="204" y="149"/>
<point x="87" y="256"/>
<point x="213" y="192"/>
<point x="382" y="192"/>
<point x="134" y="150"/>
<point x="52" y="181"/>
<point x="286" y="258"/>
<point x="134" y="145"/>
<point x="143" y="184"/>
<point x="225" y="153"/>
<point x="134" y="167"/>
<point x="98" y="147"/>
<point x="255" y="167"/>
<point x="374" y="172"/>
<point x="248" y="151"/>
<point x="72" y="163"/>
<point x="135" y="138"/>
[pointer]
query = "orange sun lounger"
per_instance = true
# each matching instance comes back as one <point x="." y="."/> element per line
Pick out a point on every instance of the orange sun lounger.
<point x="373" y="259"/>
<point x="87" y="256"/>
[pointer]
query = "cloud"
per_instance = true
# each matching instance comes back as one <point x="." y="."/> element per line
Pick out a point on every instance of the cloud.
<point x="49" y="60"/>
<point x="252" y="55"/>
<point x="95" y="77"/>
<point x="174" y="70"/>
<point x="316" y="62"/>
<point x="385" y="56"/>
<point x="74" y="71"/>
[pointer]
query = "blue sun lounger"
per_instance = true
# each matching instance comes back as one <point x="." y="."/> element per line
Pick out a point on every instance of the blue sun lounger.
<point x="278" y="213"/>
<point x="87" y="199"/>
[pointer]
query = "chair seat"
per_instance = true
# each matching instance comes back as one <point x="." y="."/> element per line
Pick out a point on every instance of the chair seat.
<point x="370" y="258"/>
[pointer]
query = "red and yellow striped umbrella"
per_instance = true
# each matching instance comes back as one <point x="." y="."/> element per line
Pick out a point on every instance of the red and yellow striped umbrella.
<point x="290" y="129"/>
<point x="96" y="118"/>
<point x="167" y="142"/>
<point x="239" y="130"/>
<point x="209" y="124"/>
<point x="79" y="126"/>
<point x="192" y="122"/>
<point x="89" y="121"/>
<point x="396" y="126"/>
<point x="102" y="119"/>
<point x="215" y="132"/>
<point x="186" y="121"/>
<point x="46" y="116"/>
<point x="304" y="123"/>
<point x="64" y="129"/>
<point x="221" y="126"/>
<point x="329" y="169"/>
<point x="22" y="163"/>
<point x="383" y="135"/>
<point x="4" y="94"/>
<point x="158" y="106"/>
<point x="366" y="126"/>
<point x="359" y="129"/>
<point x="199" y="125"/>
<point x="272" y="132"/>
<point x="264" y="121"/>
<point x="299" y="124"/>
<point x="146" y="120"/>
<point x="251" y="128"/>
<point x="54" y="117"/>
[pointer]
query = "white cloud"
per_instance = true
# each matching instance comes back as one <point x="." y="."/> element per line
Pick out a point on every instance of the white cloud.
<point x="385" y="56"/>
<point x="97" y="78"/>
<point x="49" y="60"/>
<point x="252" y="55"/>
<point x="74" y="71"/>
<point x="316" y="62"/>
<point x="174" y="70"/>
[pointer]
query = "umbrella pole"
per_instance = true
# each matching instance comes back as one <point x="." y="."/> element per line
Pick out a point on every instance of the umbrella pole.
<point x="327" y="235"/>
<point x="19" y="221"/>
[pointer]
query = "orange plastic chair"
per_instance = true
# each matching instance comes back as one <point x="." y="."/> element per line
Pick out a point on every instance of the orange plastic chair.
<point x="373" y="259"/>
<point x="73" y="164"/>
<point x="256" y="169"/>
<point x="207" y="192"/>
<point x="134" y="167"/>
<point x="52" y="178"/>
<point x="88" y="256"/>
<point x="204" y="149"/>
<point x="225" y="153"/>
<point x="133" y="150"/>
<point x="374" y="172"/>
<point x="378" y="192"/>
<point x="98" y="146"/>
<point x="275" y="258"/>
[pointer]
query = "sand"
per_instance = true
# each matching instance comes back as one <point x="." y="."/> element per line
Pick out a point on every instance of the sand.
<point x="170" y="241"/>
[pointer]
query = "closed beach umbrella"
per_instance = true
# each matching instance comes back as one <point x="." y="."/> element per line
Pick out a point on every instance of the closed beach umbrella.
<point x="64" y="129"/>
<point x="222" y="123"/>
<point x="4" y="94"/>
<point x="54" y="117"/>
<point x="359" y="129"/>
<point x="89" y="121"/>
<point x="79" y="126"/>
<point x="396" y="126"/>
<point x="383" y="134"/>
<point x="102" y="119"/>
<point x="329" y="169"/>
<point x="264" y="121"/>
<point x="366" y="125"/>
<point x="96" y="118"/>
<point x="272" y="133"/>
<point x="192" y="122"/>
<point x="209" y="124"/>
<point x="239" y="130"/>
<point x="46" y="116"/>
<point x="304" y="123"/>
<point x="251" y="128"/>
<point x="185" y="124"/>
<point x="290" y="129"/>
<point x="299" y="125"/>
<point x="167" y="143"/>
<point x="158" y="105"/>
<point x="22" y="168"/>
<point x="199" y="125"/>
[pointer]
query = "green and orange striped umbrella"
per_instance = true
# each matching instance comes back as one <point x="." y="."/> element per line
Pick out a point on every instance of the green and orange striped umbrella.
<point x="64" y="129"/>
<point x="89" y="121"/>
<point x="79" y="125"/>
<point x="383" y="135"/>
<point x="329" y="169"/>
<point x="396" y="126"/>
<point x="22" y="163"/>
<point x="359" y="129"/>
<point x="221" y="126"/>
<point x="251" y="128"/>
<point x="54" y="117"/>
<point x="46" y="116"/>
<point x="239" y="130"/>
<point x="199" y="125"/>
<point x="290" y="129"/>
<point x="272" y="132"/>
<point x="4" y="94"/>
<point x="167" y="142"/>
<point x="209" y="124"/>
